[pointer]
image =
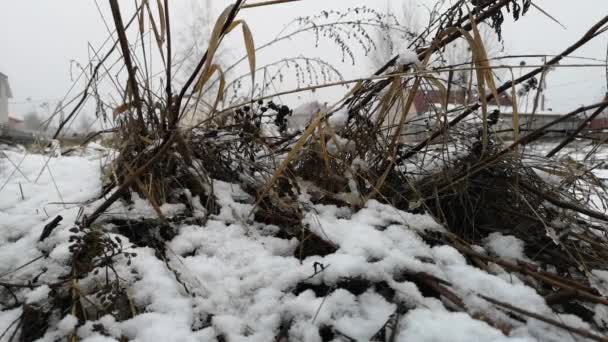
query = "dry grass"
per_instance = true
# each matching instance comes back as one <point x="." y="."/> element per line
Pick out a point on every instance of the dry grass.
<point x="461" y="172"/>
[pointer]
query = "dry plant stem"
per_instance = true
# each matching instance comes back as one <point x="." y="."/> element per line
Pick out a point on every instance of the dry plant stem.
<point x="559" y="297"/>
<point x="573" y="135"/>
<point x="168" y="141"/>
<point x="508" y="85"/>
<point x="483" y="16"/>
<point x="172" y="111"/>
<point x="551" y="280"/>
<point x="381" y="78"/>
<point x="489" y="12"/>
<point x="93" y="79"/>
<point x="87" y="221"/>
<point x="201" y="63"/>
<point x="436" y="285"/>
<point x="553" y="322"/>
<point x="267" y="3"/>
<point x="436" y="47"/>
<point x="538" y="133"/>
<point x="569" y="282"/>
<point x="126" y="53"/>
<point x="566" y="205"/>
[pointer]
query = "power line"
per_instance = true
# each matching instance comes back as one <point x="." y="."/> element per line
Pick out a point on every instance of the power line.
<point x="33" y="101"/>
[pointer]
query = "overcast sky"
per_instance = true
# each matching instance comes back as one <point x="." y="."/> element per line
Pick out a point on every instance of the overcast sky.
<point x="42" y="41"/>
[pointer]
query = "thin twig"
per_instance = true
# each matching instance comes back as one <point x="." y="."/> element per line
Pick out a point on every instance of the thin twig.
<point x="267" y="3"/>
<point x="539" y="317"/>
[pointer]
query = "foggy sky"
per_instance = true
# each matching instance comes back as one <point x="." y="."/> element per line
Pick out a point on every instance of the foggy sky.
<point x="42" y="42"/>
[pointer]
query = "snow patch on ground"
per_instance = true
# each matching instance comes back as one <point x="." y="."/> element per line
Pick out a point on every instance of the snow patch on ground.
<point x="233" y="277"/>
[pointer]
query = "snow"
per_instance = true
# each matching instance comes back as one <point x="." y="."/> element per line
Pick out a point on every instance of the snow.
<point x="303" y="114"/>
<point x="8" y="320"/>
<point x="233" y="277"/>
<point x="339" y="118"/>
<point x="505" y="246"/>
<point x="38" y="294"/>
<point x="599" y="280"/>
<point x="67" y="324"/>
<point x="429" y="326"/>
<point x="407" y="56"/>
<point x="50" y="186"/>
<point x="141" y="208"/>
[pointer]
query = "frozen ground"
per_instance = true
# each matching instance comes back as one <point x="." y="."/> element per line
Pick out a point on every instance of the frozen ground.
<point x="232" y="279"/>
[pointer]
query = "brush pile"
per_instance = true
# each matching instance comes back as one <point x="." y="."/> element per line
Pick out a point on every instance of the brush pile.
<point x="250" y="219"/>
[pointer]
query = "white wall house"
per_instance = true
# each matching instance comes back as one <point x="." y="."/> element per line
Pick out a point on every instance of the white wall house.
<point x="5" y="94"/>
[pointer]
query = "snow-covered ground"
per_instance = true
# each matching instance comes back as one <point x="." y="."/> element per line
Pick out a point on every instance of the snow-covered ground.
<point x="232" y="279"/>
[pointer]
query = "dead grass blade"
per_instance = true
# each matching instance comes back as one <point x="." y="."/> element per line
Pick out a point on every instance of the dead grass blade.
<point x="249" y="46"/>
<point x="140" y="19"/>
<point x="291" y="156"/>
<point x="157" y="36"/>
<point x="215" y="39"/>
<point x="268" y="3"/>
<point x="121" y="109"/>
<point x="161" y="16"/>
<point x="548" y="15"/>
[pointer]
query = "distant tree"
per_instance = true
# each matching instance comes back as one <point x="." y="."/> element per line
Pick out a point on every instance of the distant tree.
<point x="193" y="41"/>
<point x="195" y="37"/>
<point x="396" y="30"/>
<point x="32" y="121"/>
<point x="392" y="38"/>
<point x="84" y="124"/>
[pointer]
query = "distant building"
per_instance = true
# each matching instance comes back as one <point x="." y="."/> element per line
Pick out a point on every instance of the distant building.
<point x="529" y="122"/>
<point x="428" y="104"/>
<point x="431" y="100"/>
<point x="5" y="94"/>
<point x="598" y="127"/>
<point x="423" y="115"/>
<point x="16" y="123"/>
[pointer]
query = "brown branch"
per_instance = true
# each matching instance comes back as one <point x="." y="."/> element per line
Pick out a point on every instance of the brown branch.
<point x="573" y="135"/>
<point x="538" y="275"/>
<point x="126" y="54"/>
<point x="436" y="284"/>
<point x="93" y="79"/>
<point x="87" y="221"/>
<point x="423" y="53"/>
<point x="172" y="111"/>
<point x="201" y="63"/>
<point x="535" y="135"/>
<point x="542" y="318"/>
<point x="553" y="199"/>
<point x="267" y="3"/>
<point x="508" y="85"/>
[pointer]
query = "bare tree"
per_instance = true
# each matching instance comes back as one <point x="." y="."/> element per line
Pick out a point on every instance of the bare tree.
<point x="395" y="31"/>
<point x="84" y="124"/>
<point x="32" y="121"/>
<point x="392" y="36"/>
<point x="194" y="38"/>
